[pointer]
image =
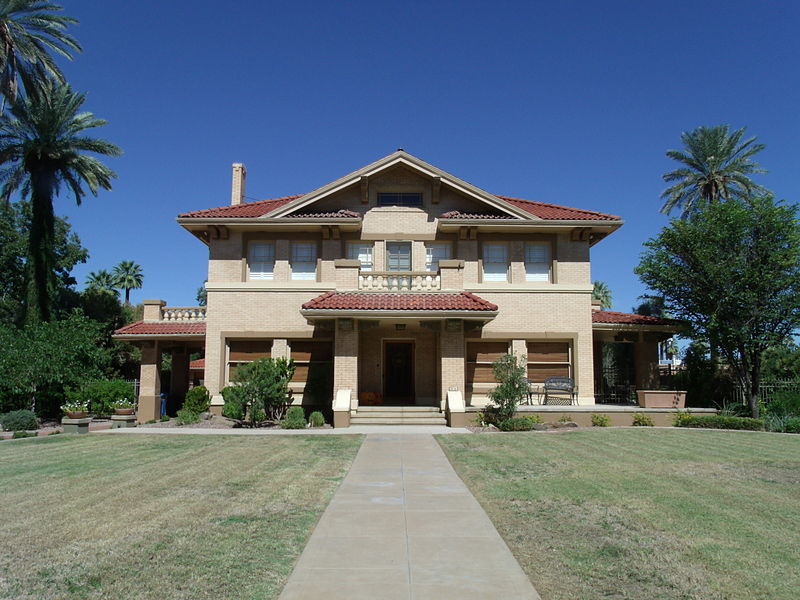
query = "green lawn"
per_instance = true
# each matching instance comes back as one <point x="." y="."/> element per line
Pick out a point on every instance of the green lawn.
<point x="648" y="513"/>
<point x="161" y="517"/>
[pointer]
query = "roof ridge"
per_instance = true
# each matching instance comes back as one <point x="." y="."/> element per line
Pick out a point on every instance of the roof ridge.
<point x="234" y="206"/>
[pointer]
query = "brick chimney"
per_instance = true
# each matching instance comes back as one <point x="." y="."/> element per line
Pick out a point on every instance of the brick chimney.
<point x="237" y="186"/>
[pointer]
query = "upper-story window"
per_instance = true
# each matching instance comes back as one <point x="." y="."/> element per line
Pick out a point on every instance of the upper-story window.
<point x="398" y="256"/>
<point x="495" y="262"/>
<point x="400" y="199"/>
<point x="436" y="251"/>
<point x="362" y="252"/>
<point x="304" y="260"/>
<point x="537" y="262"/>
<point x="261" y="260"/>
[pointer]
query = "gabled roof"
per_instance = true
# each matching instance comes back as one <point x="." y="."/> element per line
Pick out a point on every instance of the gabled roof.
<point x="465" y="301"/>
<point x="620" y="318"/>
<point x="259" y="208"/>
<point x="547" y="211"/>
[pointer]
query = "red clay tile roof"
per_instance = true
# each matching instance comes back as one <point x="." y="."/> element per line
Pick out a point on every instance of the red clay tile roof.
<point x="163" y="328"/>
<point x="547" y="211"/>
<point x="457" y="214"/>
<point x="609" y="316"/>
<point x="401" y="301"/>
<point x="259" y="208"/>
<point x="198" y="364"/>
<point x="339" y="214"/>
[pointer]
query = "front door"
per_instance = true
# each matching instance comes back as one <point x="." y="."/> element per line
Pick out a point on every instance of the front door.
<point x="398" y="372"/>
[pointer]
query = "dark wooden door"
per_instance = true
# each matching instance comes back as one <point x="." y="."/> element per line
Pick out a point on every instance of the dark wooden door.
<point x="398" y="372"/>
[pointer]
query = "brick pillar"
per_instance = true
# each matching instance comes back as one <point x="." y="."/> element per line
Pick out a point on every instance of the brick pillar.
<point x="280" y="348"/>
<point x="452" y="274"/>
<point x="331" y="250"/>
<point x="345" y="359"/>
<point x="150" y="383"/>
<point x="645" y="357"/>
<point x="179" y="378"/>
<point x="346" y="275"/>
<point x="452" y="361"/>
<point x="583" y="363"/>
<point x="283" y="270"/>
<point x="519" y="348"/>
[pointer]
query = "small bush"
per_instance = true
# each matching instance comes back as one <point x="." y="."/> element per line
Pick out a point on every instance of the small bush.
<point x="164" y="418"/>
<point x="642" y="420"/>
<point x="792" y="425"/>
<point x="197" y="399"/>
<point x="186" y="417"/>
<point x="19" y="420"/>
<point x="785" y="404"/>
<point x="565" y="419"/>
<point x="316" y="419"/>
<point x="533" y="418"/>
<point x="516" y="424"/>
<point x="720" y="422"/>
<point x="601" y="420"/>
<point x="295" y="418"/>
<point x="234" y="407"/>
<point x="22" y="434"/>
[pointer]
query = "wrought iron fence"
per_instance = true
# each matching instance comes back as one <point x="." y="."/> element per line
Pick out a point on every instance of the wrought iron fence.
<point x="768" y="390"/>
<point x="616" y="386"/>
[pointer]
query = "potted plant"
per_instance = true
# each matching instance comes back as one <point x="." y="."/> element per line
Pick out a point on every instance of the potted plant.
<point x="75" y="409"/>
<point x="123" y="407"/>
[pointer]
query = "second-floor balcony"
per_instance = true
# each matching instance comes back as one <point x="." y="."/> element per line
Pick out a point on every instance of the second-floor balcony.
<point x="398" y="281"/>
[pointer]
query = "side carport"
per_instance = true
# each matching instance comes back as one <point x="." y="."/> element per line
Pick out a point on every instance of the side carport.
<point x="176" y="330"/>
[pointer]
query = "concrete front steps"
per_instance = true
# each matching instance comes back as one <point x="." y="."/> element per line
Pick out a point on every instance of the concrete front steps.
<point x="397" y="415"/>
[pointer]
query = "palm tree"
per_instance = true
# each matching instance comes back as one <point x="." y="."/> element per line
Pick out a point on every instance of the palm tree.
<point x="716" y="167"/>
<point x="102" y="281"/>
<point x="129" y="277"/>
<point x="29" y="32"/>
<point x="602" y="293"/>
<point x="42" y="146"/>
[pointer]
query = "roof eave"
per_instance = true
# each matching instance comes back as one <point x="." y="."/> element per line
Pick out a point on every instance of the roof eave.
<point x="470" y="315"/>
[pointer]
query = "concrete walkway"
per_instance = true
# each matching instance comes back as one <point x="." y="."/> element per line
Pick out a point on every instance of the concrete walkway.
<point x="404" y="525"/>
<point x="352" y="430"/>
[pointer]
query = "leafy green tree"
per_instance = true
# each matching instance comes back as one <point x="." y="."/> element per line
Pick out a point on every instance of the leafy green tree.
<point x="602" y="293"/>
<point x="651" y="306"/>
<point x="102" y="281"/>
<point x="202" y="294"/>
<point x="264" y="387"/>
<point x="783" y="361"/>
<point x="732" y="273"/>
<point x="41" y="359"/>
<point x="129" y="277"/>
<point x="43" y="145"/>
<point x="512" y="388"/>
<point x="716" y="165"/>
<point x="30" y="30"/>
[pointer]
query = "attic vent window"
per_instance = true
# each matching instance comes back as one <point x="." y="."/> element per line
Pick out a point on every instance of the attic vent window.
<point x="400" y="199"/>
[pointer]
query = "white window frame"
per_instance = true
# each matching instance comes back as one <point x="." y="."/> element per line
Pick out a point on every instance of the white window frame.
<point x="363" y="252"/>
<point x="304" y="270"/>
<point x="389" y="255"/>
<point x="491" y="253"/>
<point x="538" y="261"/>
<point x="436" y="251"/>
<point x="261" y="260"/>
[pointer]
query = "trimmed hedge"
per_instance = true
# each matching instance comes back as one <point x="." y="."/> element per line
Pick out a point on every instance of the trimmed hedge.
<point x="720" y="422"/>
<point x="520" y="423"/>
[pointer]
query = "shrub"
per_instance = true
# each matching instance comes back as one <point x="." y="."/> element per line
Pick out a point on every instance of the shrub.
<point x="186" y="417"/>
<point x="263" y="385"/>
<point x="512" y="388"/>
<point x="516" y="424"/>
<point x="164" y="418"/>
<point x="197" y="399"/>
<point x="316" y="419"/>
<point x="792" y="425"/>
<point x="234" y="407"/>
<point x="533" y="418"/>
<point x="642" y="420"/>
<point x="101" y="394"/>
<point x="720" y="422"/>
<point x="295" y="418"/>
<point x="565" y="419"/>
<point x="785" y="404"/>
<point x="601" y="420"/>
<point x="19" y="420"/>
<point x="22" y="434"/>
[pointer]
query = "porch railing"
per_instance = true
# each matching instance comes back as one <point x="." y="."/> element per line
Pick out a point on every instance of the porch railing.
<point x="183" y="313"/>
<point x="397" y="281"/>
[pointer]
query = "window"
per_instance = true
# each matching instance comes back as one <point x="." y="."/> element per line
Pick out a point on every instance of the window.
<point x="495" y="262"/>
<point x="241" y="352"/>
<point x="304" y="260"/>
<point x="400" y="199"/>
<point x="549" y="359"/>
<point x="398" y="256"/>
<point x="537" y="262"/>
<point x="362" y="253"/>
<point x="261" y="260"/>
<point x="434" y="252"/>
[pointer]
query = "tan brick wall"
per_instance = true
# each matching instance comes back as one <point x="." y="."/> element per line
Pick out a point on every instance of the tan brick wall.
<point x="452" y="366"/>
<point x="345" y="362"/>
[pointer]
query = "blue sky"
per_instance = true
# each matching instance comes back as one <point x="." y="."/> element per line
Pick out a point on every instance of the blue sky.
<point x="573" y="103"/>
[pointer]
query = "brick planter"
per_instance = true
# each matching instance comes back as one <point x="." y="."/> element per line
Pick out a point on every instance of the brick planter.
<point x="661" y="398"/>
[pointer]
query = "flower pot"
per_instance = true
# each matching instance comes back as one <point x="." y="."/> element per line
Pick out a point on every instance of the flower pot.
<point x="661" y="398"/>
<point x="123" y="411"/>
<point x="77" y="414"/>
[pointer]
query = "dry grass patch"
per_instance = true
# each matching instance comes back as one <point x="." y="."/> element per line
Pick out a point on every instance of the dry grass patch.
<point x="626" y="513"/>
<point x="161" y="517"/>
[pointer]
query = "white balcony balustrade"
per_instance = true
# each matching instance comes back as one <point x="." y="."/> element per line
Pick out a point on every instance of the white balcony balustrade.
<point x="398" y="281"/>
<point x="183" y="313"/>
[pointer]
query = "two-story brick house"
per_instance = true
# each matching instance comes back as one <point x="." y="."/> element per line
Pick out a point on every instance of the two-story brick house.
<point x="395" y="285"/>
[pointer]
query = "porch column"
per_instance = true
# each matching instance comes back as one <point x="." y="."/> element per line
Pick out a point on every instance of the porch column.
<point x="452" y="363"/>
<point x="345" y="360"/>
<point x="280" y="348"/>
<point x="519" y="348"/>
<point x="179" y="378"/>
<point x="645" y="358"/>
<point x="150" y="383"/>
